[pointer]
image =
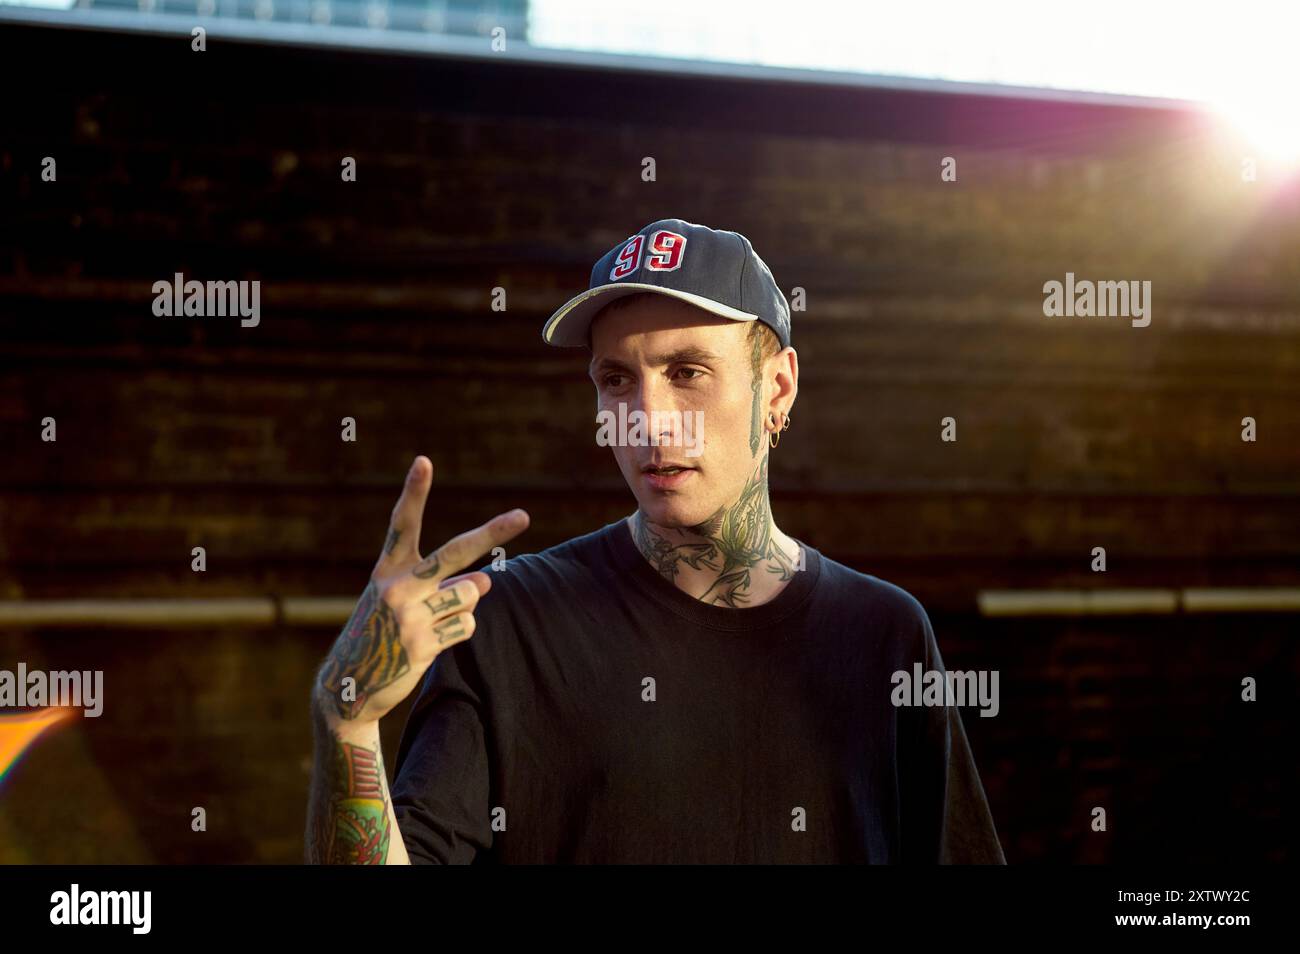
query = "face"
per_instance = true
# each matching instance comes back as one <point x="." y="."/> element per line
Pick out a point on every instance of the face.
<point x="662" y="354"/>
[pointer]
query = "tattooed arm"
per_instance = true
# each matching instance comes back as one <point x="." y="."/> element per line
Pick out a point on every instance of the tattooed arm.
<point x="349" y="810"/>
<point x="411" y="610"/>
<point x="350" y="814"/>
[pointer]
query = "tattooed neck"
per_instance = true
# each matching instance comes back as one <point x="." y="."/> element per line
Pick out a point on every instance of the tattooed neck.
<point x="738" y="556"/>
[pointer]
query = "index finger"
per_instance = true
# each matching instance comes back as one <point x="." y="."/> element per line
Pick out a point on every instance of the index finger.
<point x="403" y="541"/>
<point x="460" y="551"/>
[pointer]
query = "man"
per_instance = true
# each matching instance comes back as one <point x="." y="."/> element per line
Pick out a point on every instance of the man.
<point x="687" y="684"/>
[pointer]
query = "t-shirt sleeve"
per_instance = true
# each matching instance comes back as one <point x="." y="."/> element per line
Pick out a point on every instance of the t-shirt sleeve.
<point x="945" y="813"/>
<point x="441" y="781"/>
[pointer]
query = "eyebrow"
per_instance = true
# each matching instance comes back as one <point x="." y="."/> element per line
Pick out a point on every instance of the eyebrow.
<point x="680" y="356"/>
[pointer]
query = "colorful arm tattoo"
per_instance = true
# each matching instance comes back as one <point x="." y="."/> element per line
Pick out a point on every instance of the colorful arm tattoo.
<point x="348" y="818"/>
<point x="358" y="824"/>
<point x="369" y="651"/>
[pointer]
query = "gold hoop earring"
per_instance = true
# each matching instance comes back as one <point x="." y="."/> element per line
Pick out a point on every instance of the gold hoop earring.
<point x="774" y="436"/>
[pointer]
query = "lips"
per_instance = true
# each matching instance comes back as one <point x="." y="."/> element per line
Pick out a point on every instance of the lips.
<point x="666" y="476"/>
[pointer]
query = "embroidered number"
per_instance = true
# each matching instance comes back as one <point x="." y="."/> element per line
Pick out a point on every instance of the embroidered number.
<point x="629" y="260"/>
<point x="666" y="250"/>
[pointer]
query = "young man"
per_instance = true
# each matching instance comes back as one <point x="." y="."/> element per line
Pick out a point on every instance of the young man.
<point x="687" y="684"/>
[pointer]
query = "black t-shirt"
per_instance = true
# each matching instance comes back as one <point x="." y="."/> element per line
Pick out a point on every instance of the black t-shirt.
<point x="601" y="715"/>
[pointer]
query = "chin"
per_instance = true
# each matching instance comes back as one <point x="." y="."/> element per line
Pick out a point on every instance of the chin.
<point x="676" y="512"/>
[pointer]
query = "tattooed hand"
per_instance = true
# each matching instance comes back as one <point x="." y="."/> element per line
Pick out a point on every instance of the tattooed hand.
<point x="410" y="611"/>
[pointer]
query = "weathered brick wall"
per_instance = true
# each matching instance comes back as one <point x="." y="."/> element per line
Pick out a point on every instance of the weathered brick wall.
<point x="924" y="301"/>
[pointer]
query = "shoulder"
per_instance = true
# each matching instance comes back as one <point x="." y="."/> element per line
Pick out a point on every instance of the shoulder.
<point x="883" y="610"/>
<point x="559" y="570"/>
<point x="873" y="595"/>
<point x="575" y="555"/>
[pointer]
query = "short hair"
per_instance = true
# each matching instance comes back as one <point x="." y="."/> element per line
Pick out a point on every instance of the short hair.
<point x="760" y="339"/>
<point x="763" y="343"/>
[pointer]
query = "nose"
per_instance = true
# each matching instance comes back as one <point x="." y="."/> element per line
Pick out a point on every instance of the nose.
<point x="658" y="400"/>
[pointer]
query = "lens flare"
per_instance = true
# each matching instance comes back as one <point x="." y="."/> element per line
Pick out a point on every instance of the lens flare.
<point x="1264" y="122"/>
<point x="20" y="730"/>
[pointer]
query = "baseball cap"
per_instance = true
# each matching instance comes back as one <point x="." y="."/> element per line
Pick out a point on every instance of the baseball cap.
<point x="713" y="269"/>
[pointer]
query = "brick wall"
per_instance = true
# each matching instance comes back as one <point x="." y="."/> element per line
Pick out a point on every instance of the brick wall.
<point x="924" y="301"/>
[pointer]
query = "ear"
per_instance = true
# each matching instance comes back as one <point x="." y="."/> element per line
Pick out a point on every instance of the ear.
<point x="787" y="381"/>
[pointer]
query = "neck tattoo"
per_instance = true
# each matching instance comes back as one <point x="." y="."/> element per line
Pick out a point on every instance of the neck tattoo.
<point x="736" y="540"/>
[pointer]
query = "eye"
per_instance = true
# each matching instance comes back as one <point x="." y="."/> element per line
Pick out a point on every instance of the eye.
<point x="610" y="381"/>
<point x="695" y="371"/>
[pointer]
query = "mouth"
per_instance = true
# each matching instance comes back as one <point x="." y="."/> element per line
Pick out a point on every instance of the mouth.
<point x="666" y="476"/>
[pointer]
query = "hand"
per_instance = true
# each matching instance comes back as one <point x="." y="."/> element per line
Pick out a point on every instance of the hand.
<point x="411" y="610"/>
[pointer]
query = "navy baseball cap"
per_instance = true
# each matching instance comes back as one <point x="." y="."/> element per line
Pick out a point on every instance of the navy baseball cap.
<point x="713" y="269"/>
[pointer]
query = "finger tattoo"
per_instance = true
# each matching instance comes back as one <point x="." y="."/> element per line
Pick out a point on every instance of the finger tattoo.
<point x="447" y="599"/>
<point x="428" y="568"/>
<point x="448" y="630"/>
<point x="391" y="543"/>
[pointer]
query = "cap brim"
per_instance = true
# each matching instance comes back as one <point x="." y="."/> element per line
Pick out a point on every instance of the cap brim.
<point x="567" y="328"/>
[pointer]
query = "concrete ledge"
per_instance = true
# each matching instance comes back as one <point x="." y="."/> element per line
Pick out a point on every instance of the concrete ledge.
<point x="1121" y="602"/>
